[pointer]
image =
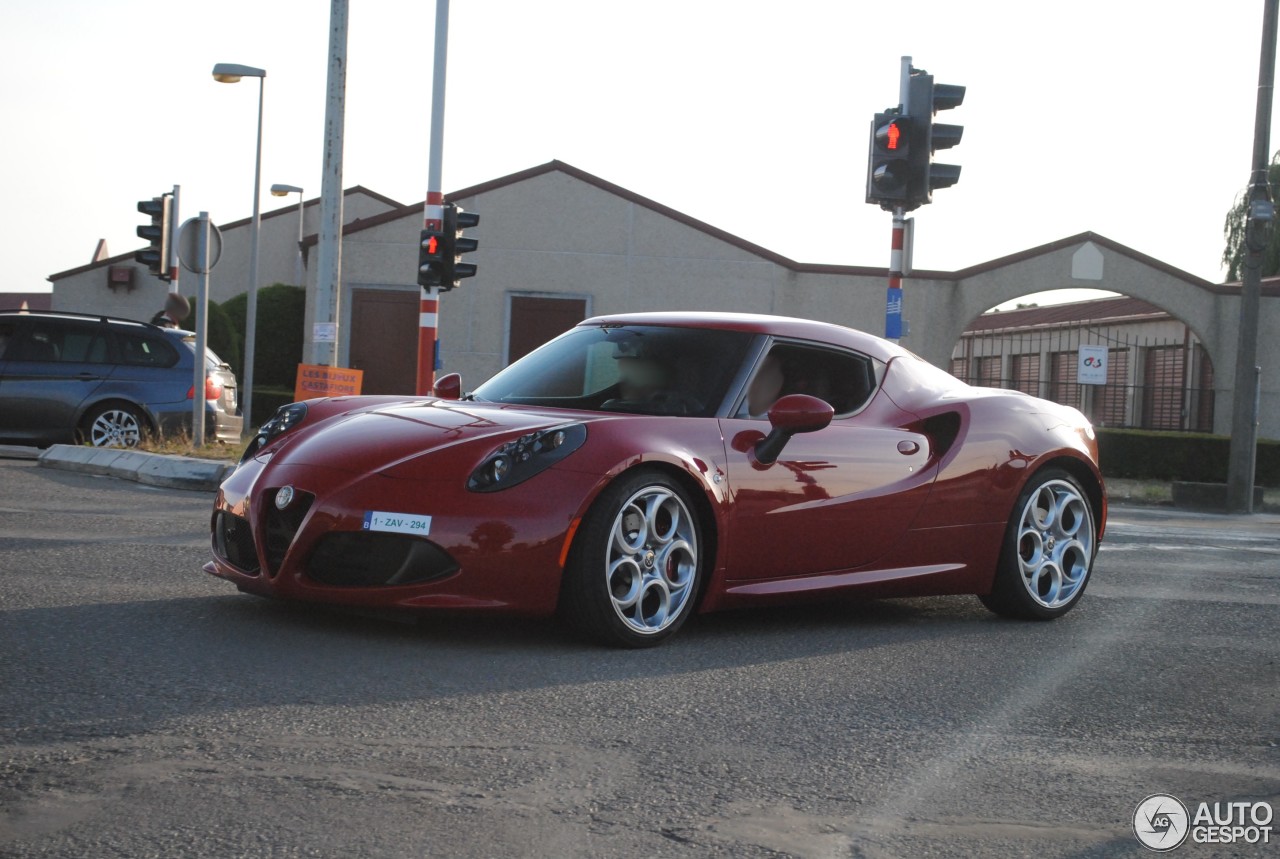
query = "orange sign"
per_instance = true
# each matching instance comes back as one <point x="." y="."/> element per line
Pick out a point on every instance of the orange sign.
<point x="319" y="381"/>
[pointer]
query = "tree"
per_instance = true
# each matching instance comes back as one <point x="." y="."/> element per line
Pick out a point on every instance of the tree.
<point x="1234" y="229"/>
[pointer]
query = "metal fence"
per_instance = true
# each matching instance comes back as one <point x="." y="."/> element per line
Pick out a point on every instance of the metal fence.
<point x="1160" y="384"/>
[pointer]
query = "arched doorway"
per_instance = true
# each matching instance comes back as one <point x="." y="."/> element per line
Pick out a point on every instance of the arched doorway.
<point x="1122" y="361"/>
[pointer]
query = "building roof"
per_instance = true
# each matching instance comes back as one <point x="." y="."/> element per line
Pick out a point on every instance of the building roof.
<point x="1270" y="286"/>
<point x="1100" y="310"/>
<point x="231" y="225"/>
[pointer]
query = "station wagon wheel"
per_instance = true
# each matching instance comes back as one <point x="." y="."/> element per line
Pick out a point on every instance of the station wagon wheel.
<point x="1048" y="551"/>
<point x="112" y="425"/>
<point x="634" y="571"/>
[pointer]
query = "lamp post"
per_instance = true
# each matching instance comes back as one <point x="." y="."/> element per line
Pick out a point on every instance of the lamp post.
<point x="229" y="73"/>
<point x="278" y="190"/>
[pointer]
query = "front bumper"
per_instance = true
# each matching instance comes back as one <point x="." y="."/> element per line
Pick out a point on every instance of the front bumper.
<point x="483" y="552"/>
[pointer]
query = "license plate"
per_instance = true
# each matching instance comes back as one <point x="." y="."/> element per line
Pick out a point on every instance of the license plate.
<point x="397" y="523"/>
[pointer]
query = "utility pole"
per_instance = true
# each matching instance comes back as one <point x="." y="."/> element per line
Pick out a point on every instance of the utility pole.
<point x="324" y="333"/>
<point x="1245" y="399"/>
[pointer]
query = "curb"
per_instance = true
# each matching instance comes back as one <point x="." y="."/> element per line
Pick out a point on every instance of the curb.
<point x="153" y="469"/>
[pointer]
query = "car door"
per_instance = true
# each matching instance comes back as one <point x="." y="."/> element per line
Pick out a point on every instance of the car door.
<point x="837" y="499"/>
<point x="58" y="364"/>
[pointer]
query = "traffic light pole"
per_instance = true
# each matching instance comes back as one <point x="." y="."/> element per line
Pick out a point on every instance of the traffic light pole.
<point x="433" y="211"/>
<point x="893" y="328"/>
<point x="174" y="223"/>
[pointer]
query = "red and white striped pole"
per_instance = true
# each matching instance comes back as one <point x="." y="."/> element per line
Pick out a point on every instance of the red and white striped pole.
<point x="893" y="303"/>
<point x="433" y="214"/>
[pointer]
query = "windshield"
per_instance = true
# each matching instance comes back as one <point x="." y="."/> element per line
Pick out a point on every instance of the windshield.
<point x="642" y="369"/>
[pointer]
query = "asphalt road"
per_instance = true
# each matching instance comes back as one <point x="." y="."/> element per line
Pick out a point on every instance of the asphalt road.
<point x="147" y="709"/>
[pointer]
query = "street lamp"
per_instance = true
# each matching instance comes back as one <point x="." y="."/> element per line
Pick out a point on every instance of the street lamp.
<point x="229" y="73"/>
<point x="283" y="191"/>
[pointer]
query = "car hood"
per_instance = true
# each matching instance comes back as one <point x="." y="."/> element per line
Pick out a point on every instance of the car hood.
<point x="385" y="438"/>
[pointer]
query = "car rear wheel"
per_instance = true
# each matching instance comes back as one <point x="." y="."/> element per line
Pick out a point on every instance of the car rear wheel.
<point x="635" y="568"/>
<point x="1048" y="552"/>
<point x="112" y="425"/>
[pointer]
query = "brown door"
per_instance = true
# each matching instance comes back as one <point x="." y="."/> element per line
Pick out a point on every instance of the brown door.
<point x="384" y="340"/>
<point x="536" y="320"/>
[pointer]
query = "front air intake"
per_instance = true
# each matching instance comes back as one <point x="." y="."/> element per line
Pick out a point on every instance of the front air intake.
<point x="357" y="559"/>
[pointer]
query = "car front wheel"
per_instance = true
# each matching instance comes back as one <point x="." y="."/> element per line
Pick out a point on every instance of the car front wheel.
<point x="635" y="569"/>
<point x="1048" y="551"/>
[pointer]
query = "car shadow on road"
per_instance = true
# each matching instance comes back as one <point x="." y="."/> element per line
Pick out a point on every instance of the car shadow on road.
<point x="122" y="667"/>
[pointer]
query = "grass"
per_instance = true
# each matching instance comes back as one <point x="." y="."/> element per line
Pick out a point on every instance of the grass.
<point x="182" y="445"/>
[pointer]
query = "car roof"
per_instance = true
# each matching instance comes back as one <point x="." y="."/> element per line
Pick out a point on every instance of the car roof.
<point x="759" y="323"/>
<point x="77" y="317"/>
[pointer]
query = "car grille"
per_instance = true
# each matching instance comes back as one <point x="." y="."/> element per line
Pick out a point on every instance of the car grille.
<point x="281" y="526"/>
<point x="361" y="559"/>
<point x="233" y="541"/>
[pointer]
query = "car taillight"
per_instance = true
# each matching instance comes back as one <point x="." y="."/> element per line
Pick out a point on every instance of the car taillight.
<point x="212" y="390"/>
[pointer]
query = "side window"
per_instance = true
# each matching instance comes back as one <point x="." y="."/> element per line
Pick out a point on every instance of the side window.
<point x="79" y="344"/>
<point x="141" y="351"/>
<point x="8" y="333"/>
<point x="846" y="380"/>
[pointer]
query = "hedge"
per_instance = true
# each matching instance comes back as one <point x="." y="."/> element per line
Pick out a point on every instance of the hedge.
<point x="222" y="336"/>
<point x="1195" y="457"/>
<point x="278" y="340"/>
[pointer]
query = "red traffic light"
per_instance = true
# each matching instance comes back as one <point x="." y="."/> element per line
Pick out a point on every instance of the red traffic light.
<point x="432" y="245"/>
<point x="891" y="136"/>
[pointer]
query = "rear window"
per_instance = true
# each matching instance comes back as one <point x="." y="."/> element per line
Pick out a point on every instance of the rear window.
<point x="211" y="360"/>
<point x="142" y="351"/>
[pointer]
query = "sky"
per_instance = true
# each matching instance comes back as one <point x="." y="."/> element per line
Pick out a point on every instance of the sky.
<point x="1129" y="118"/>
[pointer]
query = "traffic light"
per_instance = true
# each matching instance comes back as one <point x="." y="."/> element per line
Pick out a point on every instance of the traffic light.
<point x="925" y="100"/>
<point x="456" y="244"/>
<point x="431" y="258"/>
<point x="889" y="160"/>
<point x="156" y="256"/>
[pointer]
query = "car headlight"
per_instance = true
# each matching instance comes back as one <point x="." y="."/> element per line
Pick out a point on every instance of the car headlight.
<point x="517" y="461"/>
<point x="285" y="419"/>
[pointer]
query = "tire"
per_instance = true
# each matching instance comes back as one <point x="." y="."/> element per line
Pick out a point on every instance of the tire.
<point x="635" y="569"/>
<point x="113" y="425"/>
<point x="1048" y="552"/>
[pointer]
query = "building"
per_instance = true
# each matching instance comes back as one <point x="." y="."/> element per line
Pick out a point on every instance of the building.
<point x="558" y="244"/>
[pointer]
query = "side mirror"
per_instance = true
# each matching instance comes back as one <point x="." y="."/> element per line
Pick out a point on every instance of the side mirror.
<point x="448" y="387"/>
<point x="792" y="414"/>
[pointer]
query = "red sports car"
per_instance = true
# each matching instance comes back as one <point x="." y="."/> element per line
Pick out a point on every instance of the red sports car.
<point x="642" y="467"/>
